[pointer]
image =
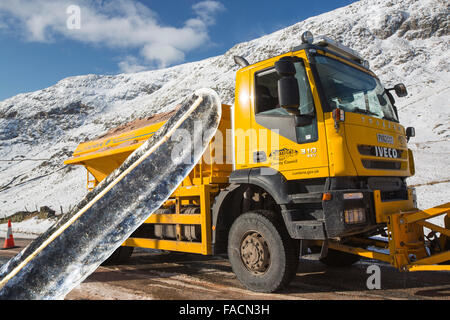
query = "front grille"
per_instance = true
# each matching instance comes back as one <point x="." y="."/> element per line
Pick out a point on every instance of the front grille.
<point x="385" y="183"/>
<point x="379" y="164"/>
<point x="401" y="194"/>
<point x="371" y="151"/>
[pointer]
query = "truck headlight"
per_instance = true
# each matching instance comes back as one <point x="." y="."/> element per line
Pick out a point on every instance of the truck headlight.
<point x="352" y="196"/>
<point x="354" y="216"/>
<point x="366" y="64"/>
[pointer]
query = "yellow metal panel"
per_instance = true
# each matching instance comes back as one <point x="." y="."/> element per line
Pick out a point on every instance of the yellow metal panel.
<point x="189" y="191"/>
<point x="429" y="268"/>
<point x="412" y="167"/>
<point x="298" y="161"/>
<point x="428" y="213"/>
<point x="340" y="161"/>
<point x="405" y="240"/>
<point x="384" y="209"/>
<point x="91" y="183"/>
<point x="102" y="167"/>
<point x="434" y="227"/>
<point x="175" y="218"/>
<point x="202" y="194"/>
<point x="104" y="154"/>
<point x="242" y="118"/>
<point x="434" y="259"/>
<point x="309" y="173"/>
<point x="360" y="251"/>
<point x="370" y="241"/>
<point x="205" y="212"/>
<point x="362" y="129"/>
<point x="171" y="245"/>
<point x="444" y="240"/>
<point x="104" y="144"/>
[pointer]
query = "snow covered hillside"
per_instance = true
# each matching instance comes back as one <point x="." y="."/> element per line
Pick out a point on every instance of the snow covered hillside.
<point x="404" y="40"/>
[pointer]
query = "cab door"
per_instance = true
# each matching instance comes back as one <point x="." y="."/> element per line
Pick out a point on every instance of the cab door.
<point x="297" y="151"/>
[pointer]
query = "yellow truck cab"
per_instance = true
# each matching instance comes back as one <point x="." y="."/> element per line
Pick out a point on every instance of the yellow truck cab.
<point x="318" y="166"/>
<point x="339" y="139"/>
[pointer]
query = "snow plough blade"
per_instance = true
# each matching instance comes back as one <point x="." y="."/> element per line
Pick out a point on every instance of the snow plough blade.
<point x="414" y="250"/>
<point x="70" y="250"/>
<point x="411" y="247"/>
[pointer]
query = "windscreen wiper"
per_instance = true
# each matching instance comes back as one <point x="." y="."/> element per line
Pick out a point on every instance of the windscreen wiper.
<point x="390" y="119"/>
<point x="359" y="110"/>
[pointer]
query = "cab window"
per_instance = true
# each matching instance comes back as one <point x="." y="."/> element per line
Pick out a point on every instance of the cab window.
<point x="267" y="104"/>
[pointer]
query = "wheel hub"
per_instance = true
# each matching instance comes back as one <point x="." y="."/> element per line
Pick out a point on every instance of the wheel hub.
<point x="255" y="253"/>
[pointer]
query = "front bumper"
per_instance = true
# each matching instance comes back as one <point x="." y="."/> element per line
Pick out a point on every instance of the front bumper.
<point x="376" y="210"/>
<point x="315" y="216"/>
<point x="334" y="213"/>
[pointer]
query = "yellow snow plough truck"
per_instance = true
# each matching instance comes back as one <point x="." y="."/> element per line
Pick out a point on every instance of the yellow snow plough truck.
<point x="311" y="160"/>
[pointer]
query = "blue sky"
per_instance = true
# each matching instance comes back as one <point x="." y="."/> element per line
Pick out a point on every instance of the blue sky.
<point x="44" y="41"/>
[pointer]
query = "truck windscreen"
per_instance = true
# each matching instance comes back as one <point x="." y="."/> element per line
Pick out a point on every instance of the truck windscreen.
<point x="353" y="90"/>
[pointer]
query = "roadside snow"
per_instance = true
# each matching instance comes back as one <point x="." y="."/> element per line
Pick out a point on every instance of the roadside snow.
<point x="27" y="229"/>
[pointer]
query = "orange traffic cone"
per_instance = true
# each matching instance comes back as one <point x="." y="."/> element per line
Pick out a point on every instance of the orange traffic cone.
<point x="9" y="241"/>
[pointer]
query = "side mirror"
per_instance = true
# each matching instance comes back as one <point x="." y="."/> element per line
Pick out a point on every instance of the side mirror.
<point x="288" y="93"/>
<point x="400" y="90"/>
<point x="410" y="132"/>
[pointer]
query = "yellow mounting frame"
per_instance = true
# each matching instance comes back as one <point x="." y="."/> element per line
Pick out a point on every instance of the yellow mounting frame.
<point x="416" y="219"/>
<point x="406" y="240"/>
<point x="199" y="195"/>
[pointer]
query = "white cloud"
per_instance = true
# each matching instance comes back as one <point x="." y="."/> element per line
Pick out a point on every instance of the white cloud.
<point x="116" y="24"/>
<point x="131" y="65"/>
<point x="163" y="53"/>
<point x="206" y="10"/>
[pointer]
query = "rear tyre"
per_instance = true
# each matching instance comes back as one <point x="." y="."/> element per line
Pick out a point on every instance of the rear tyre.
<point x="120" y="255"/>
<point x="262" y="255"/>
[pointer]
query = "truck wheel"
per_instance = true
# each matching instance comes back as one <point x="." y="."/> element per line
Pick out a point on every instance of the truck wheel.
<point x="121" y="254"/>
<point x="262" y="255"/>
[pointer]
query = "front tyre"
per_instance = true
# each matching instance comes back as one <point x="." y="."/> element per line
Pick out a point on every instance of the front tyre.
<point x="120" y="255"/>
<point x="262" y="255"/>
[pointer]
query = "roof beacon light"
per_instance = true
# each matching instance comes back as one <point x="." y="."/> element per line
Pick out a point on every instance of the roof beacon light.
<point x="307" y="37"/>
<point x="366" y="64"/>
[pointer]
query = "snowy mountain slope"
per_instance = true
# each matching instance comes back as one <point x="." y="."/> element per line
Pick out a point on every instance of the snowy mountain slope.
<point x="405" y="41"/>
